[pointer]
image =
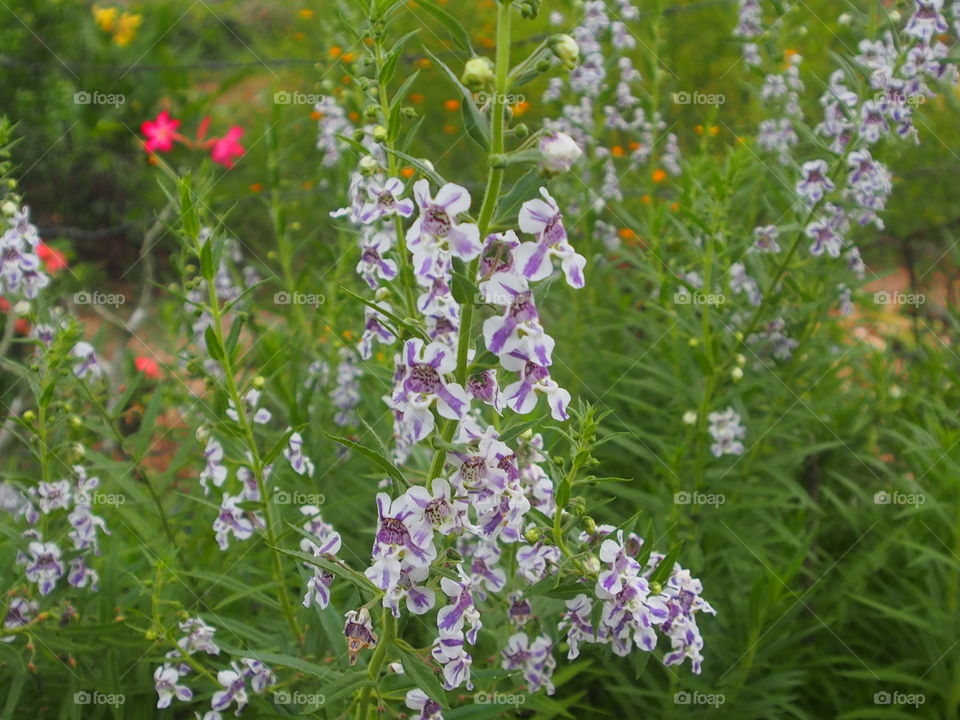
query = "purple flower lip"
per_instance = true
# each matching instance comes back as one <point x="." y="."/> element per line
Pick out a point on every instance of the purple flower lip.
<point x="393" y="532"/>
<point x="436" y="221"/>
<point x="472" y="467"/>
<point x="437" y="511"/>
<point x="423" y="379"/>
<point x="522" y="306"/>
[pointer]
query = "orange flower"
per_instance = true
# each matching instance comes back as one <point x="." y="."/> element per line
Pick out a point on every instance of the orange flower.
<point x="424" y="63"/>
<point x="674" y="206"/>
<point x="354" y="116"/>
<point x="627" y="234"/>
<point x="659" y="175"/>
<point x="451" y="105"/>
<point x="407" y="172"/>
<point x="645" y="199"/>
<point x="617" y="151"/>
<point x="335" y="52"/>
<point x="256" y="187"/>
<point x="316" y="115"/>
<point x="635" y="145"/>
<point x="698" y="129"/>
<point x="417" y="98"/>
<point x="348" y="57"/>
<point x="306" y="14"/>
<point x="521" y="108"/>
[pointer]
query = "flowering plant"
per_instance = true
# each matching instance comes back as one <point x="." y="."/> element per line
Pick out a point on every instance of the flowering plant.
<point x="394" y="490"/>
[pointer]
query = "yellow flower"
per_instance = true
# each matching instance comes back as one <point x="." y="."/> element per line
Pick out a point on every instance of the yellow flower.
<point x="105" y="18"/>
<point x="127" y="28"/>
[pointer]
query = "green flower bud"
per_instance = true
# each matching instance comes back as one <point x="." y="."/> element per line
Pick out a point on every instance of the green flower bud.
<point x="532" y="534"/>
<point x="409" y="113"/>
<point x="521" y="131"/>
<point x="259" y="381"/>
<point x="498" y="161"/>
<point x="529" y="8"/>
<point x="369" y="165"/>
<point x="566" y="50"/>
<point x="371" y="112"/>
<point x="29" y="416"/>
<point x="478" y="73"/>
<point x="380" y="133"/>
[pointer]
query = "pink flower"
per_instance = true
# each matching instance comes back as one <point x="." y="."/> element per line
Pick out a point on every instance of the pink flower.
<point x="228" y="147"/>
<point x="148" y="367"/>
<point x="161" y="133"/>
<point x="53" y="260"/>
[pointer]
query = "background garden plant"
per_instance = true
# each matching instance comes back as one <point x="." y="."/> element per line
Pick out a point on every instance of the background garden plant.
<point x="281" y="449"/>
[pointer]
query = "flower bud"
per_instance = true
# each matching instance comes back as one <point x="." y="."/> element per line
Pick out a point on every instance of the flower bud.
<point x="203" y="434"/>
<point x="22" y="308"/>
<point x="529" y="9"/>
<point x="478" y="73"/>
<point x="75" y="422"/>
<point x="371" y="112"/>
<point x="77" y="452"/>
<point x="259" y="381"/>
<point x="690" y="417"/>
<point x="532" y="534"/>
<point x="409" y="113"/>
<point x="498" y="161"/>
<point x="566" y="50"/>
<point x="521" y="131"/>
<point x="380" y="133"/>
<point x="741" y="359"/>
<point x="381" y="294"/>
<point x="589" y="524"/>
<point x="737" y="374"/>
<point x="29" y="416"/>
<point x="369" y="165"/>
<point x="656" y="588"/>
<point x="559" y="152"/>
<point x="591" y="564"/>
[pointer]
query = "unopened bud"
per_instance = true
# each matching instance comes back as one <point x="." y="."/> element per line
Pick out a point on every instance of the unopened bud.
<point x="380" y="133"/>
<point x="737" y="374"/>
<point x="259" y="381"/>
<point x="478" y="73"/>
<point x="532" y="534"/>
<point x="566" y="50"/>
<point x="369" y="165"/>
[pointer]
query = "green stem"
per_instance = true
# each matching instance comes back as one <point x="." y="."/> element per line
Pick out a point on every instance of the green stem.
<point x="490" y="197"/>
<point x="388" y="632"/>
<point x="246" y="429"/>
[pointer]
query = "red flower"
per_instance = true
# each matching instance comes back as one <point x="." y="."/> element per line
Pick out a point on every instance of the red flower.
<point x="161" y="133"/>
<point x="148" y="367"/>
<point x="228" y="147"/>
<point x="53" y="260"/>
